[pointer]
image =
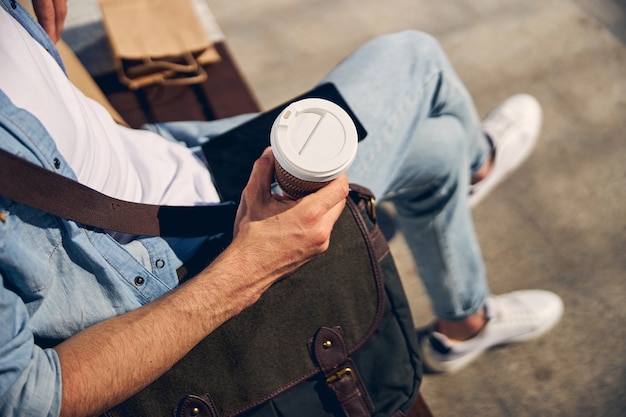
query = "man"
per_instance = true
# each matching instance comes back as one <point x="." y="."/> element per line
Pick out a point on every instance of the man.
<point x="114" y="301"/>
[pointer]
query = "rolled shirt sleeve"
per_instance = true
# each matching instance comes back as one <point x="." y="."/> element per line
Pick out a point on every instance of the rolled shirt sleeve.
<point x="30" y="377"/>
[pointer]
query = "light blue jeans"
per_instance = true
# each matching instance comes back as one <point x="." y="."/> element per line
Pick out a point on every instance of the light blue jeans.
<point x="424" y="142"/>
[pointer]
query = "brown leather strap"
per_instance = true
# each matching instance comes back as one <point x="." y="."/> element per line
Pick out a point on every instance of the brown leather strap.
<point x="366" y="203"/>
<point x="329" y="350"/>
<point x="39" y="188"/>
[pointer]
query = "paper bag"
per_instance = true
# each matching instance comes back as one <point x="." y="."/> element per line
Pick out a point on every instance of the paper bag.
<point x="157" y="41"/>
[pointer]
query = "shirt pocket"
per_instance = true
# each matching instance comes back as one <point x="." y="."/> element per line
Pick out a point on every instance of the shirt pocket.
<point x="29" y="238"/>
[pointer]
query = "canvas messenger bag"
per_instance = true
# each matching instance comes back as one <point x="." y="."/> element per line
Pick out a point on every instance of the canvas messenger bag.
<point x="334" y="338"/>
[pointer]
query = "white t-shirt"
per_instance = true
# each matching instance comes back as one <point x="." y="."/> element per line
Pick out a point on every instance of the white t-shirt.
<point x="132" y="165"/>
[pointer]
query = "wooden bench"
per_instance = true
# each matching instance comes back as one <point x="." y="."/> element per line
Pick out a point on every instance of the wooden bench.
<point x="225" y="93"/>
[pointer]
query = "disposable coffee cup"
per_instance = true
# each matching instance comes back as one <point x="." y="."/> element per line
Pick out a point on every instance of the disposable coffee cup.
<point x="314" y="141"/>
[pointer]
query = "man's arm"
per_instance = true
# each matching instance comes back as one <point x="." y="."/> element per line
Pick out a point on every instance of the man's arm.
<point x="110" y="361"/>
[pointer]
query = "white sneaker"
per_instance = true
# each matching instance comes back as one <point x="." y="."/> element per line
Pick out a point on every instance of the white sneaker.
<point x="513" y="128"/>
<point x="513" y="317"/>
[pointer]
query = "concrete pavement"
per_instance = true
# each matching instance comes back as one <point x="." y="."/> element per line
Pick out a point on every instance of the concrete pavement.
<point x="558" y="224"/>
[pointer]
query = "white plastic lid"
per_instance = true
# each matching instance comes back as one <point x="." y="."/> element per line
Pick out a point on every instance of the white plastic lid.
<point x="314" y="139"/>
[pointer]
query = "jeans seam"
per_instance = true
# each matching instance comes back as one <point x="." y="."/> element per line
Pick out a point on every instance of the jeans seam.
<point x="443" y="249"/>
<point x="449" y="268"/>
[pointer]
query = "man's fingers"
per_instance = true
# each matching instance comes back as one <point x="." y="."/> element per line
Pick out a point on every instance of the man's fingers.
<point x="60" y="9"/>
<point x="329" y="196"/>
<point x="260" y="180"/>
<point x="51" y="15"/>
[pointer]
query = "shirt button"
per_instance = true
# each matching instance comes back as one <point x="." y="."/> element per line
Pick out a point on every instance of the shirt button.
<point x="160" y="263"/>
<point x="139" y="281"/>
<point x="57" y="163"/>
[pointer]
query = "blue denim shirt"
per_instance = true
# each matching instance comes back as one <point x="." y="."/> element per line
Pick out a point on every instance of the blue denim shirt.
<point x="56" y="277"/>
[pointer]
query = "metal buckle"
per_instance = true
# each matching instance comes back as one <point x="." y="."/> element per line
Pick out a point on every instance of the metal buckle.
<point x="372" y="208"/>
<point x="339" y="375"/>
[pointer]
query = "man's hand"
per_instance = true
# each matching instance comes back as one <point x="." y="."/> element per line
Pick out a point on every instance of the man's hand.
<point x="51" y="15"/>
<point x="272" y="238"/>
<point x="281" y="235"/>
